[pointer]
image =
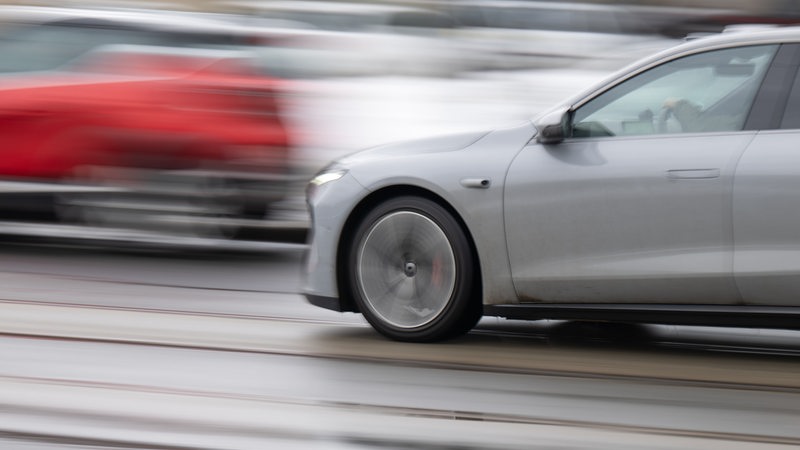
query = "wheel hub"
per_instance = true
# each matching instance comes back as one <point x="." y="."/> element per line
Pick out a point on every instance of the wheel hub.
<point x="406" y="269"/>
<point x="410" y="268"/>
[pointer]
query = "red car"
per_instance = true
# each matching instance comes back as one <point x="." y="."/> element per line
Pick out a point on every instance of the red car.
<point x="188" y="131"/>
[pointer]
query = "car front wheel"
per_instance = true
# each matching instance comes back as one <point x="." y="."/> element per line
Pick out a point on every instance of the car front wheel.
<point x="412" y="272"/>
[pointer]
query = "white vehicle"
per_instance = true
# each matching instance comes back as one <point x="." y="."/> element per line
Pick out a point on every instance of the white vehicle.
<point x="343" y="39"/>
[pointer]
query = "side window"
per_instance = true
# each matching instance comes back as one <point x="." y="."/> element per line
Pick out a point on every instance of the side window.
<point x="791" y="118"/>
<point x="710" y="91"/>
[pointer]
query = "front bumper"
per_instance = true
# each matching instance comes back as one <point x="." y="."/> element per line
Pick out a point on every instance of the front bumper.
<point x="330" y="206"/>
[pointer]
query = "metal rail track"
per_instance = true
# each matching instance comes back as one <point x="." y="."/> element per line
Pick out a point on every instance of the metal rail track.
<point x="427" y="363"/>
<point x="636" y="339"/>
<point x="431" y="413"/>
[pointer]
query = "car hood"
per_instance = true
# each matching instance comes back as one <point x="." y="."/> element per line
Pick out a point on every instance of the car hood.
<point x="434" y="162"/>
<point x="437" y="144"/>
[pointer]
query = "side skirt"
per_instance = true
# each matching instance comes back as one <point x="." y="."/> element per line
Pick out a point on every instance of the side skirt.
<point x="787" y="317"/>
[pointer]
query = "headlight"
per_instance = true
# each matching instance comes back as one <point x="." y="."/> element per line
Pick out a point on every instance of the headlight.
<point x="326" y="175"/>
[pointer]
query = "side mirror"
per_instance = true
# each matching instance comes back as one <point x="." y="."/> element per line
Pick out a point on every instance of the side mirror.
<point x="553" y="127"/>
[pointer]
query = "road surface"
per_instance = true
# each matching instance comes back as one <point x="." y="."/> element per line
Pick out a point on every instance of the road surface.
<point x="197" y="350"/>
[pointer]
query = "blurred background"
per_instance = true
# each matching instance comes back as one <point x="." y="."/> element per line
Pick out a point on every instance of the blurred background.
<point x="204" y="119"/>
<point x="153" y="161"/>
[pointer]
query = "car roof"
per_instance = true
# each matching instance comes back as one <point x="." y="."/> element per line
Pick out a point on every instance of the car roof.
<point x="752" y="34"/>
<point x="733" y="38"/>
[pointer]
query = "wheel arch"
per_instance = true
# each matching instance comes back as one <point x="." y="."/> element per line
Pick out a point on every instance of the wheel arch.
<point x="371" y="201"/>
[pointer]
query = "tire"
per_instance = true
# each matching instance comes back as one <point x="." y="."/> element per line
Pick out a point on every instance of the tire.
<point x="412" y="272"/>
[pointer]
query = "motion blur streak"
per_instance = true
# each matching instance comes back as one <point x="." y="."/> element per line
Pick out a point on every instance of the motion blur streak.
<point x="163" y="117"/>
<point x="194" y="125"/>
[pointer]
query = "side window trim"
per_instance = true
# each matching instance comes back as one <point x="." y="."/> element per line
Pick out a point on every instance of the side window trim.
<point x="769" y="105"/>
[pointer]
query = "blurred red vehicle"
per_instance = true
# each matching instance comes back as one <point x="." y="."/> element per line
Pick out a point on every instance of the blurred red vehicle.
<point x="148" y="130"/>
<point x="145" y="108"/>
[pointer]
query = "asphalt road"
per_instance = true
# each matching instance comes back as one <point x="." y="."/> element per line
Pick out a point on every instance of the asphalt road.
<point x="195" y="350"/>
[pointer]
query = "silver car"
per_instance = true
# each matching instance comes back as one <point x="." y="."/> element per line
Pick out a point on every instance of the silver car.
<point x="669" y="193"/>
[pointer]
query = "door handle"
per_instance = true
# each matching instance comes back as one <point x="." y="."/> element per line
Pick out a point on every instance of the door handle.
<point x="692" y="174"/>
<point x="480" y="183"/>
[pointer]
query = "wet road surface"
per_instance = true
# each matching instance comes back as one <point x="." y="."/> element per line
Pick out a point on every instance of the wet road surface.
<point x="103" y="349"/>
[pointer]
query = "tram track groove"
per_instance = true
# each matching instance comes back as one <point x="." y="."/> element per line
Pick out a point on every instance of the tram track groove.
<point x="303" y="337"/>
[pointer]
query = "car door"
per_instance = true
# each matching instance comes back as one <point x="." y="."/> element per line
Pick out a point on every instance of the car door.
<point x="766" y="202"/>
<point x="635" y="204"/>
